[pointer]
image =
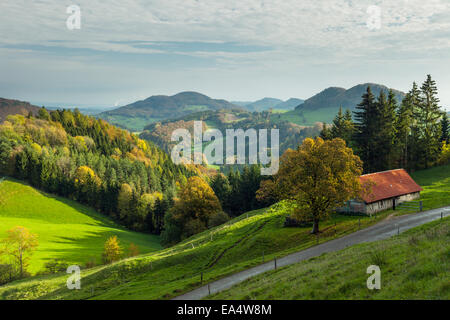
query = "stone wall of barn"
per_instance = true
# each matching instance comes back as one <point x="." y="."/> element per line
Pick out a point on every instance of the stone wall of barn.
<point x="388" y="203"/>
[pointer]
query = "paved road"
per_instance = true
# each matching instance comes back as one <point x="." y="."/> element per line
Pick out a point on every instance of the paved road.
<point x="382" y="230"/>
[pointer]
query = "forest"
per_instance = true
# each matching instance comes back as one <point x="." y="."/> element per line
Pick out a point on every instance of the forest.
<point x="386" y="134"/>
<point x="93" y="162"/>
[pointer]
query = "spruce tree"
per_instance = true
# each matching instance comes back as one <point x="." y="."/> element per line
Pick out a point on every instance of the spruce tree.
<point x="445" y="134"/>
<point x="427" y="115"/>
<point x="365" y="125"/>
<point x="403" y="124"/>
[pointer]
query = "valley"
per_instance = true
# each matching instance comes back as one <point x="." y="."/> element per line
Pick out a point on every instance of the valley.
<point x="245" y="241"/>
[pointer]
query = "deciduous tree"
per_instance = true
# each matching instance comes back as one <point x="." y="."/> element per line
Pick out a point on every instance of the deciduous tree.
<point x="319" y="176"/>
<point x="20" y="244"/>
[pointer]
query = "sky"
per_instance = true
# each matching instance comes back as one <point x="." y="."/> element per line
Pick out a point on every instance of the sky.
<point x="128" y="50"/>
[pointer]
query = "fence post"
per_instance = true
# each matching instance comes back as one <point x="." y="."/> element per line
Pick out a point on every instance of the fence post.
<point x="275" y="260"/>
<point x="209" y="289"/>
<point x="359" y="223"/>
<point x="201" y="278"/>
<point x="263" y="256"/>
<point x="335" y="229"/>
<point x="421" y="205"/>
<point x="442" y="215"/>
<point x="398" y="230"/>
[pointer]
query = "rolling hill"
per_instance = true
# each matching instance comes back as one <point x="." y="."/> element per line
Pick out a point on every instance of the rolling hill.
<point x="227" y="249"/>
<point x="67" y="230"/>
<point x="263" y="104"/>
<point x="323" y="106"/>
<point x="289" y="104"/>
<point x="269" y="103"/>
<point x="9" y="106"/>
<point x="156" y="108"/>
<point x="291" y="134"/>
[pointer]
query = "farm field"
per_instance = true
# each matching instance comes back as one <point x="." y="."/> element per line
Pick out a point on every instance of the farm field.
<point x="67" y="230"/>
<point x="235" y="246"/>
<point x="310" y="117"/>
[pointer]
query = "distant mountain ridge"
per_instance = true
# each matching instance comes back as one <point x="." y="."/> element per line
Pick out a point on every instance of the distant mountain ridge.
<point x="348" y="99"/>
<point x="289" y="104"/>
<point x="10" y="106"/>
<point x="269" y="103"/>
<point x="137" y="115"/>
<point x="161" y="106"/>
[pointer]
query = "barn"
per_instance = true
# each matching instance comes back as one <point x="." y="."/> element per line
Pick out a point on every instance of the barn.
<point x="387" y="190"/>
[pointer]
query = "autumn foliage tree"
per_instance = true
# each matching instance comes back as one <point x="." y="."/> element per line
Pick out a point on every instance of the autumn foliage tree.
<point x="112" y="250"/>
<point x="192" y="210"/>
<point x="133" y="250"/>
<point x="19" y="244"/>
<point x="319" y="176"/>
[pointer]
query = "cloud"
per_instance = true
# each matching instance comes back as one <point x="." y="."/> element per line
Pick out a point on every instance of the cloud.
<point x="254" y="36"/>
<point x="275" y="23"/>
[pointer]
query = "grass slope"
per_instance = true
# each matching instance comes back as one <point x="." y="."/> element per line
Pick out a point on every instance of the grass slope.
<point x="414" y="265"/>
<point x="310" y="117"/>
<point x="66" y="229"/>
<point x="235" y="246"/>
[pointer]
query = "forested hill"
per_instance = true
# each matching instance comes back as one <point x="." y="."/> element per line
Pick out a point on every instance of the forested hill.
<point x="347" y="99"/>
<point x="140" y="113"/>
<point x="8" y="106"/>
<point x="93" y="162"/>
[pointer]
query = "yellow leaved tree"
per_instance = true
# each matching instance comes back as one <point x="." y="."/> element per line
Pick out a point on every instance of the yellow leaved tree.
<point x="319" y="176"/>
<point x="112" y="251"/>
<point x="19" y="244"/>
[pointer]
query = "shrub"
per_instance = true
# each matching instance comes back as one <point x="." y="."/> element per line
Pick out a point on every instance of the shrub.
<point x="218" y="218"/>
<point x="7" y="273"/>
<point x="133" y="250"/>
<point x="55" y="266"/>
<point x="91" y="263"/>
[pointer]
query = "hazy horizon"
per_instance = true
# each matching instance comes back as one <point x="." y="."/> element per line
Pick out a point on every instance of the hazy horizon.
<point x="239" y="51"/>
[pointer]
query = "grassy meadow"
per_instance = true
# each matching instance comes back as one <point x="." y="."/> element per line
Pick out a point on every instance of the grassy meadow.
<point x="310" y="117"/>
<point x="66" y="229"/>
<point x="414" y="265"/>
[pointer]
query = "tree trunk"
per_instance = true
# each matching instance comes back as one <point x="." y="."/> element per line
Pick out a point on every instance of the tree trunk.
<point x="21" y="265"/>
<point x="315" y="229"/>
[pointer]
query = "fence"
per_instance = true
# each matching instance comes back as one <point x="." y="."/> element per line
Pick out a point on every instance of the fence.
<point x="410" y="206"/>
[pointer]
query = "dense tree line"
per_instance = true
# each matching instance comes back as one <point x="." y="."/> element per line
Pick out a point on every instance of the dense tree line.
<point x="93" y="162"/>
<point x="236" y="190"/>
<point x="386" y="134"/>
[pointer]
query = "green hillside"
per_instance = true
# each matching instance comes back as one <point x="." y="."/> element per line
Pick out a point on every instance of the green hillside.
<point x="66" y="229"/>
<point x="223" y="250"/>
<point x="167" y="273"/>
<point x="323" y="106"/>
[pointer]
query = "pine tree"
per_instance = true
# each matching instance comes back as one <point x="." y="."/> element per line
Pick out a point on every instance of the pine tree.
<point x="403" y="124"/>
<point x="445" y="129"/>
<point x="427" y="115"/>
<point x="325" y="133"/>
<point x="366" y="118"/>
<point x="385" y="132"/>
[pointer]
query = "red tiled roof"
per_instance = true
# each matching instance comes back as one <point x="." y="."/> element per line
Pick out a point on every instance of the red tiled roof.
<point x="388" y="184"/>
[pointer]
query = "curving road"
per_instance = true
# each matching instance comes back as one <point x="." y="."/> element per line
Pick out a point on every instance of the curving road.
<point x="382" y="230"/>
